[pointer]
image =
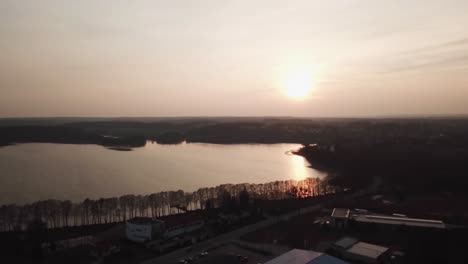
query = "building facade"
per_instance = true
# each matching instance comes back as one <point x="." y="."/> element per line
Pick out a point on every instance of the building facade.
<point x="143" y="229"/>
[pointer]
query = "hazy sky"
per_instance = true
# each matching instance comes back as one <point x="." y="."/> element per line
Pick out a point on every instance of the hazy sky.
<point x="232" y="58"/>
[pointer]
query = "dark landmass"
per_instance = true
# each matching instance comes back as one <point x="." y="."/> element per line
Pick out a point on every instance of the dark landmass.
<point x="64" y="135"/>
<point x="250" y="130"/>
<point x="408" y="162"/>
<point x="170" y="138"/>
<point x="120" y="148"/>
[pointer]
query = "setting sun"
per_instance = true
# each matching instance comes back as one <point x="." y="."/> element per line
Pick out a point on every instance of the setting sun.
<point x="298" y="85"/>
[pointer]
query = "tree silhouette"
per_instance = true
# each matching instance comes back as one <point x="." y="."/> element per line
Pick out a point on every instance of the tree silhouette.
<point x="55" y="213"/>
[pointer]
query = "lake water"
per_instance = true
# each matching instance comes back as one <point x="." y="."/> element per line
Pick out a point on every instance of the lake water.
<point x="30" y="172"/>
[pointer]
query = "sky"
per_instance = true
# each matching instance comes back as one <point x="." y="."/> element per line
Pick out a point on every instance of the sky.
<point x="305" y="58"/>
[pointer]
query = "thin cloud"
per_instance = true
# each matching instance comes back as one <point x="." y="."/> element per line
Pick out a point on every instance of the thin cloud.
<point x="444" y="63"/>
<point x="445" y="45"/>
<point x="446" y="55"/>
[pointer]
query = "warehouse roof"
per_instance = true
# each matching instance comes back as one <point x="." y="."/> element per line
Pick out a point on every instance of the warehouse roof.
<point x="340" y="213"/>
<point x="298" y="256"/>
<point x="367" y="250"/>
<point x="392" y="220"/>
<point x="345" y="242"/>
<point x="327" y="259"/>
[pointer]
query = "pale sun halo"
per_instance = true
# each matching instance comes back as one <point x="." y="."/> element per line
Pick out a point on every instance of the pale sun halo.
<point x="298" y="85"/>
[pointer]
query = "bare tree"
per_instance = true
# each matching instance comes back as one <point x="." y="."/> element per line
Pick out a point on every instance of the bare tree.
<point x="106" y="210"/>
<point x="66" y="207"/>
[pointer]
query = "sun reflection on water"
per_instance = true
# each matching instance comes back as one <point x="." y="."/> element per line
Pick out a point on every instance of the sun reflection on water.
<point x="300" y="169"/>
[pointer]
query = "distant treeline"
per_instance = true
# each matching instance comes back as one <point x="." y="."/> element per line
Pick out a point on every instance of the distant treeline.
<point x="235" y="130"/>
<point x="57" y="213"/>
<point x="271" y="130"/>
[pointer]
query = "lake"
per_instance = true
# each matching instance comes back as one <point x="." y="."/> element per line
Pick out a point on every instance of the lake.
<point x="30" y="172"/>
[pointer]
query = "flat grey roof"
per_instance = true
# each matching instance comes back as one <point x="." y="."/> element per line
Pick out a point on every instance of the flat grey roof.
<point x="345" y="242"/>
<point x="295" y="256"/>
<point x="392" y="220"/>
<point x="326" y="259"/>
<point x="340" y="213"/>
<point x="367" y="250"/>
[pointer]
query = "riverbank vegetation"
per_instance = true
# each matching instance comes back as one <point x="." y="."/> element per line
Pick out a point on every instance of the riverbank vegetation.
<point x="57" y="213"/>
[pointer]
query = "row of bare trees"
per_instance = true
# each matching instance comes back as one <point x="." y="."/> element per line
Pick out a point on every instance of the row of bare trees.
<point x="58" y="213"/>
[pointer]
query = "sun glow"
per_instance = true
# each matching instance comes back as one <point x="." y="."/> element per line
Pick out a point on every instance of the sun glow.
<point x="298" y="85"/>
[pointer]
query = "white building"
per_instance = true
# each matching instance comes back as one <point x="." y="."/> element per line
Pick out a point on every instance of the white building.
<point x="298" y="256"/>
<point x="143" y="229"/>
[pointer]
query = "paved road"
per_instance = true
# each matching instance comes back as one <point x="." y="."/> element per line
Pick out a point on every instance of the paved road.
<point x="179" y="254"/>
<point x="174" y="256"/>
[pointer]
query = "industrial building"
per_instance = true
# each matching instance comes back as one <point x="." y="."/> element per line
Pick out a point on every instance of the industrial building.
<point x="144" y="229"/>
<point x="341" y="217"/>
<point x="354" y="250"/>
<point x="298" y="256"/>
<point x="399" y="221"/>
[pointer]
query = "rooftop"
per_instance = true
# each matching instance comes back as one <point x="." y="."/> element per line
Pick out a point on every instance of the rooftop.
<point x="299" y="256"/>
<point x="340" y="213"/>
<point x="393" y="220"/>
<point x="295" y="256"/>
<point x="368" y="250"/>
<point x="326" y="259"/>
<point x="143" y="221"/>
<point x="181" y="219"/>
<point x="345" y="242"/>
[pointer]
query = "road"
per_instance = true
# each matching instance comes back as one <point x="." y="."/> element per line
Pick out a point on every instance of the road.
<point x="179" y="254"/>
